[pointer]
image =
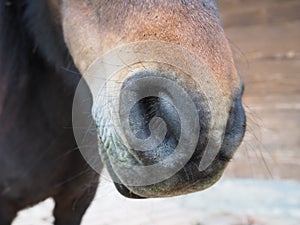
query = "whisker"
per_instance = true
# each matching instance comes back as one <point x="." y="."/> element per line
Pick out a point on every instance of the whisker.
<point x="70" y="71"/>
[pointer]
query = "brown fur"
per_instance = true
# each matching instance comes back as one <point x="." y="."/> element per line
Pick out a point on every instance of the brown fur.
<point x="110" y="24"/>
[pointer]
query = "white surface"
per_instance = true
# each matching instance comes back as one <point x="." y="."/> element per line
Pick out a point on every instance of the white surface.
<point x="229" y="202"/>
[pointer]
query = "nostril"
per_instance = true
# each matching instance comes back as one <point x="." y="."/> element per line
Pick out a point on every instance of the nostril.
<point x="161" y="97"/>
<point x="148" y="108"/>
<point x="143" y="115"/>
<point x="235" y="129"/>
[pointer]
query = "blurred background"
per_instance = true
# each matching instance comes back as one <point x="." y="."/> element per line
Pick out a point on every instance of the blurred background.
<point x="262" y="184"/>
<point x="265" y="37"/>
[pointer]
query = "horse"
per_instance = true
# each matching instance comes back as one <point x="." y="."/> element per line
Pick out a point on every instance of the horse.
<point x="159" y="84"/>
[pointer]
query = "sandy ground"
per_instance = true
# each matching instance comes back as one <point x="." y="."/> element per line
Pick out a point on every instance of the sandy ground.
<point x="265" y="36"/>
<point x="230" y="202"/>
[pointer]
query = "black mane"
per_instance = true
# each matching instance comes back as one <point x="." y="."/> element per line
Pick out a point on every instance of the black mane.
<point x="39" y="156"/>
<point x="29" y="45"/>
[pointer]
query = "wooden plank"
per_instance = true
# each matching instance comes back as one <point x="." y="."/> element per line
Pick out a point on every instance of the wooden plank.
<point x="245" y="13"/>
<point x="265" y="36"/>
